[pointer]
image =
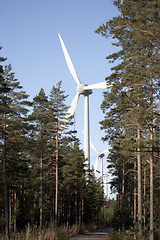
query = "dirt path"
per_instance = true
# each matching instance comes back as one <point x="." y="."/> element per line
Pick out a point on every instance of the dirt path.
<point x="97" y="235"/>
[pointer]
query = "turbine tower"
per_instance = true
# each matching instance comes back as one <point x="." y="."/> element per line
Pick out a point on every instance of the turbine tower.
<point x="100" y="156"/>
<point x="82" y="89"/>
<point x="106" y="182"/>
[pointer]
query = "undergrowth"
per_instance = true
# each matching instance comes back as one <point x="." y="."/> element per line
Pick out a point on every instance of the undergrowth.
<point x="34" y="233"/>
<point x="50" y="233"/>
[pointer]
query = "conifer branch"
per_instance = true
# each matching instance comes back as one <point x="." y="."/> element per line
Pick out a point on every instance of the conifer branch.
<point x="119" y="6"/>
<point x="119" y="28"/>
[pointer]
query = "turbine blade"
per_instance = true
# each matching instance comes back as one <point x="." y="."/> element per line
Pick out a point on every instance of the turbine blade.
<point x="96" y="164"/>
<point x="105" y="151"/>
<point x="70" y="112"/>
<point x="69" y="62"/>
<point x="72" y="108"/>
<point x="93" y="147"/>
<point x="100" y="85"/>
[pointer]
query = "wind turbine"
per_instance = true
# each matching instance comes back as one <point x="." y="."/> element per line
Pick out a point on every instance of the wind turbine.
<point x="100" y="156"/>
<point x="82" y="89"/>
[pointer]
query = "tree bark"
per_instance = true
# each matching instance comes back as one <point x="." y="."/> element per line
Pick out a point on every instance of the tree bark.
<point x="6" y="198"/>
<point x="56" y="197"/>
<point x="41" y="182"/>
<point x="15" y="213"/>
<point x="135" y="196"/>
<point x="76" y="199"/>
<point x="122" y="204"/>
<point x="139" y="184"/>
<point x="151" y="168"/>
<point x="41" y="193"/>
<point x="10" y="209"/>
<point x="144" y="196"/>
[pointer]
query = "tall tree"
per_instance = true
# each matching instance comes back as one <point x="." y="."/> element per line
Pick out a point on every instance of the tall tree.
<point x="73" y="182"/>
<point x="40" y="117"/>
<point x="57" y="102"/>
<point x="137" y="32"/>
<point x="13" y="131"/>
<point x="3" y="102"/>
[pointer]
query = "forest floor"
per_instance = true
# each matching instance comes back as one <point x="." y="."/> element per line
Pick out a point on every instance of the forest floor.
<point x="96" y="235"/>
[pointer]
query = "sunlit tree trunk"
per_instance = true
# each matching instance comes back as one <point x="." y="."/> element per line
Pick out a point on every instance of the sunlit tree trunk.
<point x="135" y="195"/>
<point x="151" y="167"/>
<point x="139" y="166"/>
<point x="56" y="197"/>
<point x="144" y="196"/>
<point x="41" y="181"/>
<point x="52" y="204"/>
<point x="6" y="197"/>
<point x="76" y="199"/>
<point x="123" y="182"/>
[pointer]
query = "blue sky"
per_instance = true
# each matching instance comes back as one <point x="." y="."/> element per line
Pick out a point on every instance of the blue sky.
<point x="29" y="38"/>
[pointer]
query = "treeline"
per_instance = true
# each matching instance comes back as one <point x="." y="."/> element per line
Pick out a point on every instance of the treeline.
<point x="42" y="178"/>
<point x="132" y="114"/>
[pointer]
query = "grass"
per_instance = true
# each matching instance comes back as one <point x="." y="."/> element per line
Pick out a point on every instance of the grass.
<point x="35" y="233"/>
<point x="50" y="233"/>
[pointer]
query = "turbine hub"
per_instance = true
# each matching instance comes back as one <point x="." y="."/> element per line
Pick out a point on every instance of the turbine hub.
<point x="81" y="90"/>
<point x="101" y="155"/>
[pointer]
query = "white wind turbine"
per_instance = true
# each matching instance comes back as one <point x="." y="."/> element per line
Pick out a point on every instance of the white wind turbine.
<point x="82" y="89"/>
<point x="100" y="156"/>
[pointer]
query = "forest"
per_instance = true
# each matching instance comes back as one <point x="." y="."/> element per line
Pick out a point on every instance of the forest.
<point x="43" y="181"/>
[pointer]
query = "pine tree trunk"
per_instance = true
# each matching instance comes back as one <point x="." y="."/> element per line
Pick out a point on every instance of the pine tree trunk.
<point x="15" y="212"/>
<point x="139" y="184"/>
<point x="5" y="182"/>
<point x="41" y="193"/>
<point x="41" y="181"/>
<point x="151" y="198"/>
<point x="56" y="197"/>
<point x="80" y="212"/>
<point x="144" y="196"/>
<point x="76" y="200"/>
<point x="122" y="204"/>
<point x="10" y="209"/>
<point x="52" y="204"/>
<point x="135" y="192"/>
<point x="6" y="199"/>
<point x="23" y="200"/>
<point x="151" y="168"/>
<point x="69" y="212"/>
<point x="135" y="197"/>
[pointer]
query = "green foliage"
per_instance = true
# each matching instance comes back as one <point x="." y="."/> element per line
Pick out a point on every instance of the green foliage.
<point x="131" y="103"/>
<point x="109" y="207"/>
<point x="129" y="235"/>
<point x="121" y="217"/>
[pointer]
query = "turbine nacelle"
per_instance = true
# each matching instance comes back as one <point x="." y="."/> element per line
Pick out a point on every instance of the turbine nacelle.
<point x="81" y="89"/>
<point x="100" y="155"/>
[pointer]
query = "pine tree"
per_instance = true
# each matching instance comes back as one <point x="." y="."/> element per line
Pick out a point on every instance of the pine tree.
<point x="137" y="33"/>
<point x="93" y="200"/>
<point x="13" y="133"/>
<point x="73" y="182"/>
<point x="2" y="93"/>
<point x="57" y="102"/>
<point x="40" y="118"/>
